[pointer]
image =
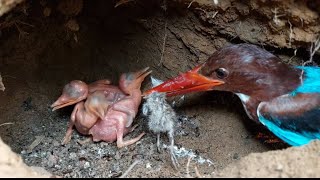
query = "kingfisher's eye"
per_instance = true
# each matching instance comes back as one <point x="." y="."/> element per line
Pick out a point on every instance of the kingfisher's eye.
<point x="221" y="73"/>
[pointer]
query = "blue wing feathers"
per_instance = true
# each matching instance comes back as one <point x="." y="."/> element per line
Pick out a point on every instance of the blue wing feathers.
<point x="295" y="129"/>
<point x="293" y="138"/>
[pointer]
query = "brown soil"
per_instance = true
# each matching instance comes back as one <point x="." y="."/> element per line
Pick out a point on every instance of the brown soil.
<point x="94" y="40"/>
<point x="298" y="162"/>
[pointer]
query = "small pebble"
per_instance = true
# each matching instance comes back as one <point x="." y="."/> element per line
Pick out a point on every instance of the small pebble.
<point x="148" y="166"/>
<point x="73" y="156"/>
<point x="104" y="144"/>
<point x="57" y="166"/>
<point x="115" y="167"/>
<point x="86" y="165"/>
<point x="235" y="156"/>
<point x="82" y="152"/>
<point x="52" y="160"/>
<point x="43" y="154"/>
<point x="73" y="25"/>
<point x="23" y="152"/>
<point x="279" y="167"/>
<point x="117" y="156"/>
<point x="56" y="143"/>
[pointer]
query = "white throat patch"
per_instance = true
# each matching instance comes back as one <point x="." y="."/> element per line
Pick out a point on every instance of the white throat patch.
<point x="244" y="98"/>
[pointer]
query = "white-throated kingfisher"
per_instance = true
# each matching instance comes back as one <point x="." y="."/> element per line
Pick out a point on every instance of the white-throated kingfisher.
<point x="284" y="98"/>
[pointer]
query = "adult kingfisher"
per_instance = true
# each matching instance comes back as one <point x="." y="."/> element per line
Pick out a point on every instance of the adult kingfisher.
<point x="284" y="98"/>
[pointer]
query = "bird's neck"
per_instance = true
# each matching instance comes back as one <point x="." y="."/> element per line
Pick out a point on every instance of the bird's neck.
<point x="276" y="85"/>
<point x="136" y="96"/>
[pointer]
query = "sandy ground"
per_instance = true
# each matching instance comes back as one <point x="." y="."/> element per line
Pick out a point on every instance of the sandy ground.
<point x="35" y="67"/>
<point x="12" y="165"/>
<point x="299" y="162"/>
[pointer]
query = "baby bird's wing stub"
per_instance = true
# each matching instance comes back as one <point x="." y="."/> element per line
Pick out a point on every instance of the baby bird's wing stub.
<point x="98" y="104"/>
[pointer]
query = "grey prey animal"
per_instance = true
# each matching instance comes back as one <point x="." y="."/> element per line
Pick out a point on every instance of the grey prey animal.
<point x="161" y="119"/>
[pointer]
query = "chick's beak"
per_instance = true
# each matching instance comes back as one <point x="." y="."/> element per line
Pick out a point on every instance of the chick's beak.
<point x="140" y="75"/>
<point x="191" y="81"/>
<point x="72" y="93"/>
<point x="63" y="101"/>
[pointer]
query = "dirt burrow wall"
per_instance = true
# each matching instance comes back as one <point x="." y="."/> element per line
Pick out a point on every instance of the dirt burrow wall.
<point x="282" y="24"/>
<point x="288" y="27"/>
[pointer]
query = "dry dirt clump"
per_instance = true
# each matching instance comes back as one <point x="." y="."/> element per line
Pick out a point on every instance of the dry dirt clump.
<point x="298" y="162"/>
<point x="12" y="165"/>
<point x="7" y="5"/>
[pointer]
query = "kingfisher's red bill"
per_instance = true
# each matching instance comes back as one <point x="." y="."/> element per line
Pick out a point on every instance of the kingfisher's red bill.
<point x="191" y="81"/>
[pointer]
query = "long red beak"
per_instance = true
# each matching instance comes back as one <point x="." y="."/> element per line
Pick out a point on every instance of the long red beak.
<point x="190" y="81"/>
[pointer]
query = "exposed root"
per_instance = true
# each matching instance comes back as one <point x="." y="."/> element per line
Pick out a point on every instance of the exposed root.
<point x="17" y="23"/>
<point x="2" y="88"/>
<point x="291" y="33"/>
<point x="294" y="55"/>
<point x="191" y="3"/>
<point x="165" y="36"/>
<point x="9" y="76"/>
<point x="214" y="15"/>
<point x="276" y="16"/>
<point x="163" y="44"/>
<point x="200" y="9"/>
<point x="119" y="3"/>
<point x="314" y="47"/>
<point x="207" y="14"/>
<point x="8" y="123"/>
<point x="130" y="168"/>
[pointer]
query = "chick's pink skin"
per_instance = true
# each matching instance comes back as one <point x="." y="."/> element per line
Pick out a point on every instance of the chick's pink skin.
<point x="116" y="121"/>
<point x="82" y="117"/>
<point x="113" y="126"/>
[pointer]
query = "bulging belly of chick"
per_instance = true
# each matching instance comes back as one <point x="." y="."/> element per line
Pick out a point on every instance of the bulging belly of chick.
<point x="107" y="129"/>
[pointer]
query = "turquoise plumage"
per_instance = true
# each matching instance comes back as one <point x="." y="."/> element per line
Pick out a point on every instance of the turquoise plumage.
<point x="294" y="129"/>
<point x="311" y="81"/>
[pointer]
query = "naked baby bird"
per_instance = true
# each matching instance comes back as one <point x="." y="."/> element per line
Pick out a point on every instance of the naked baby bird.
<point x="161" y="119"/>
<point x="115" y="122"/>
<point x="76" y="92"/>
